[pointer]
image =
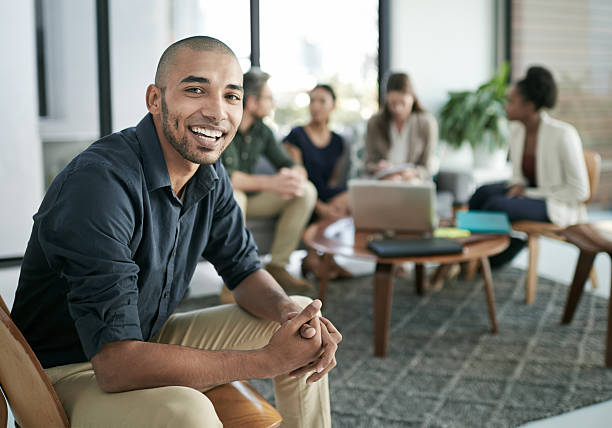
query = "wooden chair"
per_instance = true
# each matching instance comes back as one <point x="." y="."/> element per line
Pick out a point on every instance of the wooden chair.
<point x="590" y="239"/>
<point x="34" y="402"/>
<point x="535" y="229"/>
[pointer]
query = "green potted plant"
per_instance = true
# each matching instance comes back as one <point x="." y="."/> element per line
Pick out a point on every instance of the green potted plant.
<point x="477" y="117"/>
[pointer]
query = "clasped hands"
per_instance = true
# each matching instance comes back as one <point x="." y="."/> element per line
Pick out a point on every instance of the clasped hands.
<point x="289" y="182"/>
<point x="305" y="342"/>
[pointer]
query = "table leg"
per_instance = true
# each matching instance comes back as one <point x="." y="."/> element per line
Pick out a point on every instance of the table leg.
<point x="609" y="333"/>
<point x="383" y="295"/>
<point x="323" y="275"/>
<point x="419" y="277"/>
<point x="488" y="283"/>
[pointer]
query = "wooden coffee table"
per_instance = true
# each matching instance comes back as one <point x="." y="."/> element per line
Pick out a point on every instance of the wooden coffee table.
<point x="340" y="238"/>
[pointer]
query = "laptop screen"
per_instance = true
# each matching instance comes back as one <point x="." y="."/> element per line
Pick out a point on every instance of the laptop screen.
<point x="393" y="206"/>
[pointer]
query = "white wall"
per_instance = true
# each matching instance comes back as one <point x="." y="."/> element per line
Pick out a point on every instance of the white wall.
<point x="72" y="71"/>
<point x="443" y="44"/>
<point x="139" y="33"/>
<point x="21" y="179"/>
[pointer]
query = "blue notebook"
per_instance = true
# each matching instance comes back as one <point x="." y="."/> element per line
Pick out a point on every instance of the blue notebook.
<point x="484" y="221"/>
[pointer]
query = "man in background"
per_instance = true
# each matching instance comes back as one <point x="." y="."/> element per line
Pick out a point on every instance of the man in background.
<point x="287" y="194"/>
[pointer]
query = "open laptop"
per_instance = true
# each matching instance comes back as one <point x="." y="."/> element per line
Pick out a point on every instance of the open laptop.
<point x="393" y="206"/>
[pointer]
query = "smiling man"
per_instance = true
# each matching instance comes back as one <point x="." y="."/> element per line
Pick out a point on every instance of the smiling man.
<point x="114" y="246"/>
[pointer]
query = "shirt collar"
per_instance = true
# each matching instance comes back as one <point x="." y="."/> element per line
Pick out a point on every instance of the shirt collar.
<point x="154" y="163"/>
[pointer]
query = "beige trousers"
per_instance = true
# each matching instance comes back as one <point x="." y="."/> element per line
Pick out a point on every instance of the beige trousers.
<point x="220" y="327"/>
<point x="293" y="217"/>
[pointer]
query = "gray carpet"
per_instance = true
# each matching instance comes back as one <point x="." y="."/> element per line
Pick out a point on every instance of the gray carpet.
<point x="445" y="369"/>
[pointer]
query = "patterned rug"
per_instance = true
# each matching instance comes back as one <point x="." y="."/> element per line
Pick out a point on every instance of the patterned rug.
<point x="445" y="369"/>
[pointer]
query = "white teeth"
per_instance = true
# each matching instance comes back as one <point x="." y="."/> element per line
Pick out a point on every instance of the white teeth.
<point x="212" y="133"/>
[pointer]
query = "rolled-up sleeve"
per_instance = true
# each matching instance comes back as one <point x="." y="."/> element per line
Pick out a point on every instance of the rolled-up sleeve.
<point x="231" y="247"/>
<point x="87" y="244"/>
<point x="275" y="153"/>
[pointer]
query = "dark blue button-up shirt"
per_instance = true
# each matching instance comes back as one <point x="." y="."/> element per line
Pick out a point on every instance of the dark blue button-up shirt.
<point x="113" y="250"/>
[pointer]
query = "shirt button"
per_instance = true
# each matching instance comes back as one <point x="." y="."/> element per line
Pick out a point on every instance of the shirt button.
<point x="165" y="295"/>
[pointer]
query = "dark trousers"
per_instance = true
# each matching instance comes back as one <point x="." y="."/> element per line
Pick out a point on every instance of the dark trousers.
<point x="492" y="197"/>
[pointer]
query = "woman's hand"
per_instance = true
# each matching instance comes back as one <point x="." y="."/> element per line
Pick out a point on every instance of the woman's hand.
<point x="381" y="165"/>
<point x="516" y="191"/>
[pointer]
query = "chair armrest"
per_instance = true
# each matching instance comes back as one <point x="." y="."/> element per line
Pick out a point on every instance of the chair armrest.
<point x="238" y="404"/>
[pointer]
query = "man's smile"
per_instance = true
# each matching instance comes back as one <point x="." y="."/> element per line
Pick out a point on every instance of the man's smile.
<point x="207" y="136"/>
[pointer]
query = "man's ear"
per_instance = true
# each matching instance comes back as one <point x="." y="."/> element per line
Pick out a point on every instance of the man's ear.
<point x="154" y="99"/>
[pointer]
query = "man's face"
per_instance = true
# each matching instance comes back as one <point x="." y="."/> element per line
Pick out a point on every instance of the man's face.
<point x="201" y="104"/>
<point x="264" y="103"/>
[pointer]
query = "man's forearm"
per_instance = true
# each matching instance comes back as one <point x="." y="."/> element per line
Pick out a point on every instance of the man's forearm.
<point x="250" y="182"/>
<point x="260" y="295"/>
<point x="128" y="365"/>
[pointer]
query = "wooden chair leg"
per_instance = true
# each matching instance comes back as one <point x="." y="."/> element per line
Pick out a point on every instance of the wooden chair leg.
<point x="419" y="278"/>
<point x="593" y="277"/>
<point x="533" y="243"/>
<point x="583" y="267"/>
<point x="439" y="276"/>
<point x="471" y="269"/>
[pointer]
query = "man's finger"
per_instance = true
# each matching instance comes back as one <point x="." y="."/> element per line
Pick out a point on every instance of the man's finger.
<point x="317" y="376"/>
<point x="308" y="313"/>
<point x="303" y="370"/>
<point x="329" y="351"/>
<point x="307" y="331"/>
<point x="331" y="329"/>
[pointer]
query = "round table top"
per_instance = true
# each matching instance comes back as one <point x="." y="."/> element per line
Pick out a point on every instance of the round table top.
<point x="340" y="238"/>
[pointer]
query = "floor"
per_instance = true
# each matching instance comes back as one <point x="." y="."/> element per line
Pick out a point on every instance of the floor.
<point x="557" y="261"/>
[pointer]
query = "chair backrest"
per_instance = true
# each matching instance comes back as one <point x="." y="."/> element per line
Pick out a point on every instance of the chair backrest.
<point x="26" y="386"/>
<point x="593" y="166"/>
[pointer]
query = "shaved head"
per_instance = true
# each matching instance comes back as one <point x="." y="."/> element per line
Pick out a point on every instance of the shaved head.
<point x="196" y="43"/>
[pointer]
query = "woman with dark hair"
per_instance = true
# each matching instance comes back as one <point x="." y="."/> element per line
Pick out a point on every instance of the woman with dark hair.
<point x="549" y="177"/>
<point x="401" y="139"/>
<point x="321" y="151"/>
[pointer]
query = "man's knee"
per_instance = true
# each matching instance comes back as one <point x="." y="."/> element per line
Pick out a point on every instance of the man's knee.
<point x="187" y="407"/>
<point x="301" y="301"/>
<point x="309" y="197"/>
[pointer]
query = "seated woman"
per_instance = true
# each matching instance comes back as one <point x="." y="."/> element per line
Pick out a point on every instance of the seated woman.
<point x="401" y="139"/>
<point x="320" y="150"/>
<point x="549" y="181"/>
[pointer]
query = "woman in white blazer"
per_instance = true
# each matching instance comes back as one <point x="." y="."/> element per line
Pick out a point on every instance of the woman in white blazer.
<point x="549" y="180"/>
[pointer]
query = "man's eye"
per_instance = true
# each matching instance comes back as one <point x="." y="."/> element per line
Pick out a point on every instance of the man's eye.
<point x="233" y="97"/>
<point x="195" y="90"/>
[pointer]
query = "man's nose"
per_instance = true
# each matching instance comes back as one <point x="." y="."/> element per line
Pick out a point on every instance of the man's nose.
<point x="213" y="108"/>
